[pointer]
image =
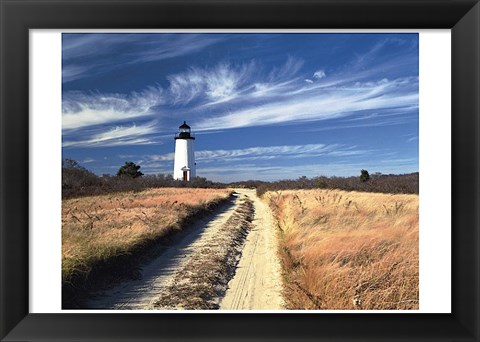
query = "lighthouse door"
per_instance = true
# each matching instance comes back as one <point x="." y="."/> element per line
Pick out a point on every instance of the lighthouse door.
<point x="185" y="175"/>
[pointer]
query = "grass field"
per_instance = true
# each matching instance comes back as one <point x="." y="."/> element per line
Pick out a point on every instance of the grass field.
<point x="100" y="227"/>
<point x="348" y="250"/>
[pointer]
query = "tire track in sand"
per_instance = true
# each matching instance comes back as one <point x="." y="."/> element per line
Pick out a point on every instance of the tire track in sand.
<point x="257" y="284"/>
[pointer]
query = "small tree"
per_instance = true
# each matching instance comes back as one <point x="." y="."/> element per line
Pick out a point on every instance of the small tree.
<point x="129" y="170"/>
<point x="364" y="176"/>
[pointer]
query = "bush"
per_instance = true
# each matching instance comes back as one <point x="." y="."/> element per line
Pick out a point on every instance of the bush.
<point x="364" y="176"/>
<point x="394" y="184"/>
<point x="78" y="181"/>
<point x="129" y="170"/>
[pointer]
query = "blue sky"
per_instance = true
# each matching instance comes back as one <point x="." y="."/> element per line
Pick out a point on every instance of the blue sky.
<point x="262" y="106"/>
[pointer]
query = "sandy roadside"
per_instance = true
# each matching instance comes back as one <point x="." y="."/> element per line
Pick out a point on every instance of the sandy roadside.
<point x="157" y="275"/>
<point x="257" y="284"/>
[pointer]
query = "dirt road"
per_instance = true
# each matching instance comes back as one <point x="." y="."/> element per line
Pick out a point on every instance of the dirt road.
<point x="203" y="261"/>
<point x="257" y="281"/>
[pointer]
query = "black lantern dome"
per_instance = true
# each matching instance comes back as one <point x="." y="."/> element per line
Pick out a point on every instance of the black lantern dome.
<point x="184" y="132"/>
<point x="184" y="126"/>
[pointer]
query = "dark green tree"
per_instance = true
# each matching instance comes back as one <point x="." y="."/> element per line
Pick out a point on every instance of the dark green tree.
<point x="130" y="170"/>
<point x="364" y="176"/>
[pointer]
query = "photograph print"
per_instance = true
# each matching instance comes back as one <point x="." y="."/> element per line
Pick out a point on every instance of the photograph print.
<point x="240" y="171"/>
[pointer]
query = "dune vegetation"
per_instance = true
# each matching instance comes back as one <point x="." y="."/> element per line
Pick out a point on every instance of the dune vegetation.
<point x="98" y="228"/>
<point x="348" y="250"/>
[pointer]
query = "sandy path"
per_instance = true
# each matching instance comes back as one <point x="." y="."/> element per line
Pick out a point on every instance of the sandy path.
<point x="157" y="275"/>
<point x="256" y="284"/>
<point x="257" y="281"/>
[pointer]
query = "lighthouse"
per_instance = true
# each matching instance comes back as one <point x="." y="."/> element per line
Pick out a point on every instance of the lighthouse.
<point x="184" y="163"/>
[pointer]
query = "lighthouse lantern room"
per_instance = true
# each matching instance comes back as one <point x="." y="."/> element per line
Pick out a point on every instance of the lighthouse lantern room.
<point x="184" y="163"/>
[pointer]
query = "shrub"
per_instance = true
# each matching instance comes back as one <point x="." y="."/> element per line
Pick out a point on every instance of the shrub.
<point x="129" y="170"/>
<point x="78" y="181"/>
<point x="394" y="184"/>
<point x="364" y="176"/>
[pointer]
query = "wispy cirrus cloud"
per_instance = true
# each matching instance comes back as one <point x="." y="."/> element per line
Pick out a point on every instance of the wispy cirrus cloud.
<point x="299" y="99"/>
<point x="162" y="157"/>
<point x="218" y="84"/>
<point x="238" y="95"/>
<point x="316" y="105"/>
<point x="227" y="82"/>
<point x="287" y="71"/>
<point x="319" y="74"/>
<point x="294" y="102"/>
<point x="87" y="160"/>
<point x="86" y="55"/>
<point x="73" y="72"/>
<point x="81" y="110"/>
<point x="268" y="153"/>
<point x="278" y="81"/>
<point x="117" y="136"/>
<point x="172" y="46"/>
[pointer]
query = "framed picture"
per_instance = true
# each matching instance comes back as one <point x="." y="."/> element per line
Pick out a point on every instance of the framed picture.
<point x="19" y="262"/>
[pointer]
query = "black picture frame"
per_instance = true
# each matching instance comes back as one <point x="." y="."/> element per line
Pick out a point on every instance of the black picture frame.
<point x="18" y="16"/>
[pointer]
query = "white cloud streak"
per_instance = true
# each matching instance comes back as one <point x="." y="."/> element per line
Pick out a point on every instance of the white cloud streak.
<point x="219" y="84"/>
<point x="287" y="71"/>
<point x="241" y="95"/>
<point x="82" y="110"/>
<point x="320" y="105"/>
<point x="227" y="83"/>
<point x="113" y="51"/>
<point x="265" y="152"/>
<point x="162" y="157"/>
<point x="117" y="136"/>
<point x="319" y="74"/>
<point x="268" y="152"/>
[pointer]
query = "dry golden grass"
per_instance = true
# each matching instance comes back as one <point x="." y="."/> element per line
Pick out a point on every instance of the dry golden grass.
<point x="348" y="250"/>
<point x="99" y="227"/>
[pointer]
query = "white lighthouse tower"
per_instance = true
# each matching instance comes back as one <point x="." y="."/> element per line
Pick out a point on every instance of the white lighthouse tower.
<point x="184" y="163"/>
